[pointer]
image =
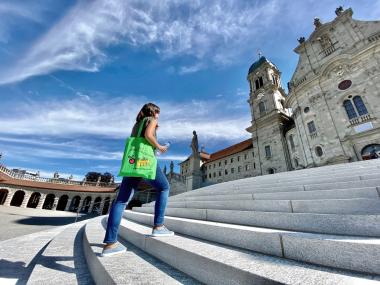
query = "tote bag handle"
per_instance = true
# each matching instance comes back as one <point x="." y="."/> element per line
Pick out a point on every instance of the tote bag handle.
<point x="141" y="127"/>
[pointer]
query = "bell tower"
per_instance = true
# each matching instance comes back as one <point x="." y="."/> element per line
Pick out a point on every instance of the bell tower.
<point x="270" y="118"/>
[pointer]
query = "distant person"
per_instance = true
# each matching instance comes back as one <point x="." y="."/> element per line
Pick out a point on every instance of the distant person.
<point x="150" y="113"/>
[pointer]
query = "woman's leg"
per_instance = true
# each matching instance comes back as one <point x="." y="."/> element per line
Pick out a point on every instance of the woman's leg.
<point x="126" y="192"/>
<point x="161" y="185"/>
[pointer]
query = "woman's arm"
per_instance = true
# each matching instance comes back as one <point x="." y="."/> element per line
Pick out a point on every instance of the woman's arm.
<point x="149" y="135"/>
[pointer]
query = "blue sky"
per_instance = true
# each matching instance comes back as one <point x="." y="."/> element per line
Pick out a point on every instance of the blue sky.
<point x="74" y="74"/>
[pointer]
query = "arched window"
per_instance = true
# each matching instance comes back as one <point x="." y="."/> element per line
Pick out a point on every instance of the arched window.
<point x="359" y="104"/>
<point x="351" y="113"/>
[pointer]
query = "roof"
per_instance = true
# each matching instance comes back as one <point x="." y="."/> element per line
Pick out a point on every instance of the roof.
<point x="233" y="149"/>
<point x="8" y="180"/>
<point x="203" y="155"/>
<point x="257" y="64"/>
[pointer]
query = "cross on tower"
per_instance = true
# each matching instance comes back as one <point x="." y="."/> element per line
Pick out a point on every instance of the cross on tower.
<point x="259" y="53"/>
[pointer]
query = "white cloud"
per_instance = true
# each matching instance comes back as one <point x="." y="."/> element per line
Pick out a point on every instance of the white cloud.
<point x="214" y="31"/>
<point x="114" y="118"/>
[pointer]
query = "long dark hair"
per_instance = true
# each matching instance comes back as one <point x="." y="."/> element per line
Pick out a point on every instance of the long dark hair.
<point x="148" y="110"/>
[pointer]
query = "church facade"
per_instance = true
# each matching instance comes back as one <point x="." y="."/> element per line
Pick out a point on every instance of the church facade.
<point x="330" y="115"/>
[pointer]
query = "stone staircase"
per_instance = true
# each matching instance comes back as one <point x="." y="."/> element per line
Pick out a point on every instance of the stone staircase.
<point x="312" y="226"/>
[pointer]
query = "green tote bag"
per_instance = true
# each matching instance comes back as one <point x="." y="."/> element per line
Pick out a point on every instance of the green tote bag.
<point x="138" y="159"/>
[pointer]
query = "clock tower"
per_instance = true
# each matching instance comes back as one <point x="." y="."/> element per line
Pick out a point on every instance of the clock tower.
<point x="270" y="118"/>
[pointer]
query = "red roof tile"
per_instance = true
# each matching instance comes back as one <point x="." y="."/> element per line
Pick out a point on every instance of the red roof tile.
<point x="244" y="145"/>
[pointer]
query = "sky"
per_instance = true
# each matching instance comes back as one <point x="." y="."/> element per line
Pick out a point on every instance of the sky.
<point x="74" y="74"/>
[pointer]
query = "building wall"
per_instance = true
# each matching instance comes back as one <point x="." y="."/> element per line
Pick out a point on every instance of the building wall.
<point x="315" y="95"/>
<point x="233" y="167"/>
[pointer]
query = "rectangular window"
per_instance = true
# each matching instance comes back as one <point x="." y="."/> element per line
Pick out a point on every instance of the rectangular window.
<point x="253" y="154"/>
<point x="268" y="151"/>
<point x="220" y="173"/>
<point x="254" y="165"/>
<point x="232" y="159"/>
<point x="214" y="165"/>
<point x="291" y="141"/>
<point x="209" y="167"/>
<point x="262" y="108"/>
<point x="220" y="163"/>
<point x="247" y="167"/>
<point x="238" y="158"/>
<point x="225" y="171"/>
<point x="232" y="170"/>
<point x="239" y="168"/>
<point x="209" y="175"/>
<point x="225" y="162"/>
<point x="245" y="156"/>
<point x="214" y="174"/>
<point x="311" y="127"/>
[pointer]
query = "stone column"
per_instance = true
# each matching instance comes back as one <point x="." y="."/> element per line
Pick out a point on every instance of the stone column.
<point x="55" y="203"/>
<point x="92" y="204"/>
<point x="101" y="206"/>
<point x="26" y="199"/>
<point x="68" y="204"/>
<point x="81" y="203"/>
<point x="8" y="200"/>
<point x="41" y="201"/>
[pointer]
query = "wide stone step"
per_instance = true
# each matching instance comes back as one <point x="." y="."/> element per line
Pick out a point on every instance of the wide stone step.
<point x="132" y="267"/>
<point x="63" y="260"/>
<point x="352" y="253"/>
<point x="212" y="263"/>
<point x="323" y="206"/>
<point x="337" y="224"/>
<point x="309" y="178"/>
<point x="256" y="189"/>
<point x="296" y="194"/>
<point x="19" y="255"/>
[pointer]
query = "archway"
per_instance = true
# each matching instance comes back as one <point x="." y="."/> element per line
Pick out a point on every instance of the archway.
<point x="106" y="205"/>
<point x="17" y="199"/>
<point x="86" y="204"/>
<point x="62" y="202"/>
<point x="49" y="202"/>
<point x="33" y="200"/>
<point x="74" y="204"/>
<point x="371" y="151"/>
<point x="271" y="171"/>
<point x="3" y="196"/>
<point x="95" y="208"/>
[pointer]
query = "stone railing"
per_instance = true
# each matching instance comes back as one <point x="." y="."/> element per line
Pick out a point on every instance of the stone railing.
<point x="374" y="37"/>
<point x="314" y="135"/>
<point x="361" y="119"/>
<point x="65" y="181"/>
<point x="329" y="50"/>
<point x="298" y="82"/>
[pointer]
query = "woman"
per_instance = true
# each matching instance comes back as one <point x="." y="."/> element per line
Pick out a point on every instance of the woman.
<point x="129" y="184"/>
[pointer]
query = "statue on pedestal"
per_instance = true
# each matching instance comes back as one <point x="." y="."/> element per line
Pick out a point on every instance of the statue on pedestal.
<point x="194" y="144"/>
<point x="164" y="169"/>
<point x="171" y="167"/>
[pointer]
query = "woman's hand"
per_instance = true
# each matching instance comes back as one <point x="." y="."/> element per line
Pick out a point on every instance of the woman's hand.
<point x="162" y="148"/>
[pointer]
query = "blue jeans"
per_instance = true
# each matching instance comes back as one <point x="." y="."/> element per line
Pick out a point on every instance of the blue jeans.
<point x="127" y="187"/>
